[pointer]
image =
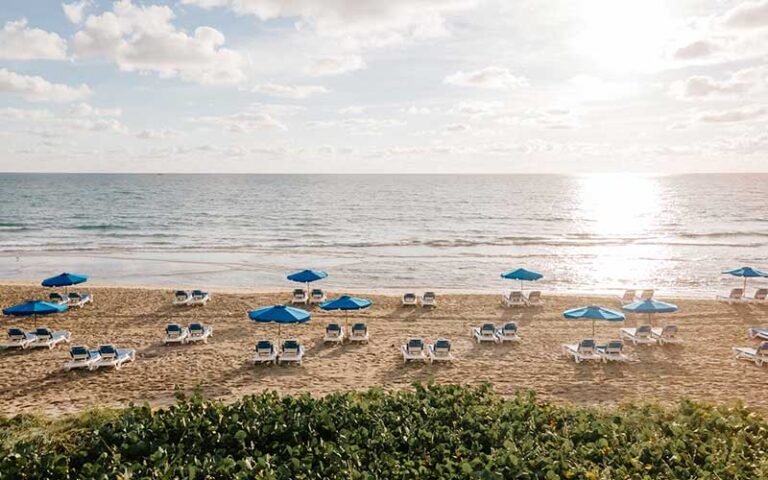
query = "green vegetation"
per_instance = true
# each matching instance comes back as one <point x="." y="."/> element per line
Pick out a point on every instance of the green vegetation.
<point x="431" y="432"/>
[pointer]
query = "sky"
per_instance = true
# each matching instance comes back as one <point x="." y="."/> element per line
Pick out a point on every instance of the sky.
<point x="396" y="86"/>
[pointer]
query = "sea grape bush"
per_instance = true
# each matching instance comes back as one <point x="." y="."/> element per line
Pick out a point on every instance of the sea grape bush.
<point x="439" y="432"/>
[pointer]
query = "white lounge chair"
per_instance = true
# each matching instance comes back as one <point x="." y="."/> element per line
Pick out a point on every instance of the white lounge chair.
<point x="334" y="333"/>
<point x="18" y="338"/>
<point x="291" y="352"/>
<point x="534" y="299"/>
<point x="410" y="300"/>
<point x="612" y="351"/>
<point x="112" y="356"/>
<point x="646" y="294"/>
<point x="49" y="339"/>
<point x="300" y="297"/>
<point x="508" y="333"/>
<point x="175" y="333"/>
<point x="58" y="298"/>
<point x="199" y="333"/>
<point x="514" y="299"/>
<point x="761" y="295"/>
<point x="358" y="333"/>
<point x="440" y="351"/>
<point x="429" y="299"/>
<point x="628" y="297"/>
<point x="181" y="297"/>
<point x="81" y="357"/>
<point x="582" y="351"/>
<point x="199" y="297"/>
<point x="758" y="332"/>
<point x="265" y="353"/>
<point x="638" y="336"/>
<point x="485" y="333"/>
<point x="414" y="351"/>
<point x="736" y="295"/>
<point x="317" y="296"/>
<point x="758" y="355"/>
<point x="666" y="335"/>
<point x="78" y="300"/>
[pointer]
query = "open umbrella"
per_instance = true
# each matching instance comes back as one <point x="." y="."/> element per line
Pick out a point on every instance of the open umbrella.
<point x="746" y="272"/>
<point x="346" y="303"/>
<point x="523" y="275"/>
<point x="650" y="306"/>
<point x="65" y="280"/>
<point x="307" y="276"/>
<point x="593" y="313"/>
<point x="33" y="308"/>
<point x="279" y="314"/>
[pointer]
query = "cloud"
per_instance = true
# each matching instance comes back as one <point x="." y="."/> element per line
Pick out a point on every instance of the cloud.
<point x="25" y="114"/>
<point x="289" y="91"/>
<point x="17" y="42"/>
<point x="86" y="110"/>
<point x="38" y="89"/>
<point x="493" y="77"/>
<point x="143" y="39"/>
<point x="456" y="128"/>
<point x="74" y="11"/>
<point x="696" y="49"/>
<point x="359" y="125"/>
<point x="154" y="134"/>
<point x="476" y="109"/>
<point x="416" y="110"/>
<point x="747" y="15"/>
<point x="701" y="86"/>
<point x="735" y="115"/>
<point x="336" y="65"/>
<point x="244" y="122"/>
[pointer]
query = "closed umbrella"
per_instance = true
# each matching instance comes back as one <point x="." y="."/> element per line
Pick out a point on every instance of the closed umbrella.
<point x="523" y="275"/>
<point x="279" y="314"/>
<point x="593" y="313"/>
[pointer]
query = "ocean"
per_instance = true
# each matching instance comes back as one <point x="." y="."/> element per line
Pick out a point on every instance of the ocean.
<point x="593" y="233"/>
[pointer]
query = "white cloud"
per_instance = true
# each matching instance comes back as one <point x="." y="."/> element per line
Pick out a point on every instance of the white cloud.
<point x="25" y="114"/>
<point x="244" y="122"/>
<point x="476" y="108"/>
<point x="702" y="86"/>
<point x="697" y="49"/>
<point x="456" y="128"/>
<point x="156" y="134"/>
<point x="336" y="65"/>
<point x="494" y="77"/>
<point x="18" y="42"/>
<point x="735" y="115"/>
<point x="143" y="39"/>
<point x="87" y="110"/>
<point x="416" y="110"/>
<point x="289" y="91"/>
<point x="74" y="11"/>
<point x="38" y="89"/>
<point x="359" y="125"/>
<point x="747" y="15"/>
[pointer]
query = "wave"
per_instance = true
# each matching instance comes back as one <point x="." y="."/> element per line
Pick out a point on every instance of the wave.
<point x="101" y="226"/>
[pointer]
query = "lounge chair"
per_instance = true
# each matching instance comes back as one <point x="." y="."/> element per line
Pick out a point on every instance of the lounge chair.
<point x="758" y="355"/>
<point x="410" y="300"/>
<point x="359" y="333"/>
<point x="78" y="300"/>
<point x="758" y="332"/>
<point x="112" y="356"/>
<point x="181" y="297"/>
<point x="175" y="333"/>
<point x="291" y="352"/>
<point x="18" y="338"/>
<point x="628" y="297"/>
<point x="514" y="299"/>
<point x="666" y="335"/>
<point x="508" y="333"/>
<point x="316" y="296"/>
<point x="49" y="339"/>
<point x="736" y="295"/>
<point x="81" y="357"/>
<point x="58" y="298"/>
<point x="613" y="351"/>
<point x="299" y="297"/>
<point x="199" y="297"/>
<point x="638" y="336"/>
<point x="582" y="351"/>
<point x="199" y="333"/>
<point x="761" y="295"/>
<point x="647" y="294"/>
<point x="265" y="353"/>
<point x="429" y="299"/>
<point x="534" y="299"/>
<point x="440" y="351"/>
<point x="334" y="333"/>
<point x="414" y="351"/>
<point x="486" y="333"/>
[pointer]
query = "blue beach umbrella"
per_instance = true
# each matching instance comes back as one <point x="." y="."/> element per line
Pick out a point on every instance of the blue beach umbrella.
<point x="593" y="313"/>
<point x="346" y="303"/>
<point x="523" y="275"/>
<point x="279" y="314"/>
<point x="650" y="306"/>
<point x="33" y="308"/>
<point x="307" y="276"/>
<point x="65" y="280"/>
<point x="746" y="272"/>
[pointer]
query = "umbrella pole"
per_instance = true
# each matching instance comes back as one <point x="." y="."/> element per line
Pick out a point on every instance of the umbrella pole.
<point x="593" y="328"/>
<point x="745" y="287"/>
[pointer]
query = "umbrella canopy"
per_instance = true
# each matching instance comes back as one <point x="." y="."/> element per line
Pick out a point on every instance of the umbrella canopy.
<point x="65" y="280"/>
<point x="279" y="314"/>
<point x="523" y="275"/>
<point x="346" y="303"/>
<point x="593" y="313"/>
<point x="746" y="272"/>
<point x="650" y="306"/>
<point x="33" y="308"/>
<point x="307" y="276"/>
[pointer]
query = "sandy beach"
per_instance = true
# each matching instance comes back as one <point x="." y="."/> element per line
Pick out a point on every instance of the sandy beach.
<point x="701" y="369"/>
